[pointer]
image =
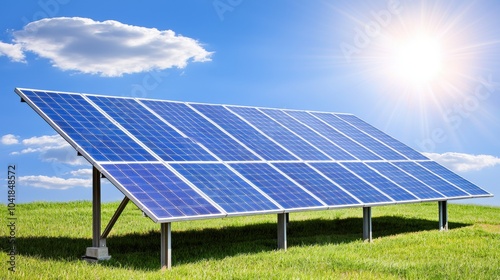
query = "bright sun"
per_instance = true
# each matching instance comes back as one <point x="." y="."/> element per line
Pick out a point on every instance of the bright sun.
<point x="418" y="60"/>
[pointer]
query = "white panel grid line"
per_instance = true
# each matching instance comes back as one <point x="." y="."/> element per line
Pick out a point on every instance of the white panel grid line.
<point x="161" y="118"/>
<point x="324" y="137"/>
<point x="448" y="197"/>
<point x="127" y="162"/>
<point x="370" y="184"/>
<point x="447" y="180"/>
<point x="225" y="132"/>
<point x="254" y="186"/>
<point x="184" y="117"/>
<point x="390" y="180"/>
<point x="335" y="183"/>
<point x="276" y="161"/>
<point x="195" y="188"/>
<point x="375" y="170"/>
<point x="381" y="157"/>
<point x="177" y="130"/>
<point x="58" y="129"/>
<point x="298" y="185"/>
<point x="261" y="132"/>
<point x="444" y="196"/>
<point x="370" y="136"/>
<point x="281" y="209"/>
<point x="293" y="132"/>
<point x="128" y="194"/>
<point x="113" y="121"/>
<point x="422" y="157"/>
<point x="136" y="201"/>
<point x="151" y="214"/>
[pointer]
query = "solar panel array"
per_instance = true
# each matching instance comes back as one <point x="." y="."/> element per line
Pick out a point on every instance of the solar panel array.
<point x="182" y="161"/>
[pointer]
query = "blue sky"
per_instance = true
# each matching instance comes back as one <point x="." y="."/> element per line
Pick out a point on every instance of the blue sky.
<point x="338" y="56"/>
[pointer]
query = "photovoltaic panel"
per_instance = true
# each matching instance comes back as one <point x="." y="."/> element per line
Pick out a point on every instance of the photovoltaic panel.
<point x="159" y="190"/>
<point x="351" y="183"/>
<point x="245" y="133"/>
<point x="308" y="134"/>
<point x="280" y="134"/>
<point x="314" y="182"/>
<point x="333" y="135"/>
<point x="183" y="161"/>
<point x="200" y="130"/>
<point x="277" y="186"/>
<point x="152" y="131"/>
<point x="401" y="178"/>
<point x="381" y="136"/>
<point x="391" y="189"/>
<point x="87" y="127"/>
<point x="430" y="179"/>
<point x="226" y="188"/>
<point x="453" y="178"/>
<point x="360" y="137"/>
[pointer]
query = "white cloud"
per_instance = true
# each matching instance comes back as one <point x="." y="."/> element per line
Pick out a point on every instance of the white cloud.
<point x="13" y="51"/>
<point x="87" y="172"/>
<point x="63" y="159"/>
<point x="45" y="140"/>
<point x="46" y="182"/>
<point x="109" y="48"/>
<point x="464" y="162"/>
<point x="10" y="139"/>
<point x="52" y="148"/>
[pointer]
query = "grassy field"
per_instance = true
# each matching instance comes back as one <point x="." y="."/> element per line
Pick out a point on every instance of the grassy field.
<point x="51" y="238"/>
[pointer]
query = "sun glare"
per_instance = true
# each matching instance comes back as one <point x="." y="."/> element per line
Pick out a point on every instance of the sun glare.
<point x="418" y="60"/>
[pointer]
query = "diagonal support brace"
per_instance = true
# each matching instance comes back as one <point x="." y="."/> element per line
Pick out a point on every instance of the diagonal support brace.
<point x="113" y="220"/>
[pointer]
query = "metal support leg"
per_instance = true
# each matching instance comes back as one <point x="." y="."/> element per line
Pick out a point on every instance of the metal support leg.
<point x="98" y="251"/>
<point x="166" y="246"/>
<point x="443" y="215"/>
<point x="96" y="207"/>
<point x="367" y="224"/>
<point x="282" y="231"/>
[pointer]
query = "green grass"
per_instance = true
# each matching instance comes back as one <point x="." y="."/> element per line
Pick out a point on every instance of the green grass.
<point x="51" y="238"/>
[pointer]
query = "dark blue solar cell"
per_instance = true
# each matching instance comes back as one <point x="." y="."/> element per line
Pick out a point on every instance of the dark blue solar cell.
<point x="278" y="133"/>
<point x="382" y="137"/>
<point x="360" y="137"/>
<point x="277" y="186"/>
<point x="88" y="128"/>
<point x="394" y="191"/>
<point x="351" y="183"/>
<point x="200" y="130"/>
<point x="308" y="134"/>
<point x="245" y="133"/>
<point x="333" y="135"/>
<point x="225" y="187"/>
<point x="159" y="190"/>
<point x="453" y="178"/>
<point x="430" y="179"/>
<point x="314" y="182"/>
<point x="404" y="180"/>
<point x="150" y="130"/>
